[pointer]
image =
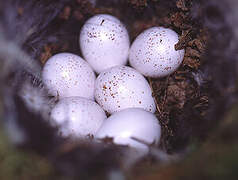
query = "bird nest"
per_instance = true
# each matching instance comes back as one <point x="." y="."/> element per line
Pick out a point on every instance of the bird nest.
<point x="190" y="102"/>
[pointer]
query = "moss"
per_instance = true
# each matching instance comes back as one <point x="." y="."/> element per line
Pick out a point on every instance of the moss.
<point x="15" y="164"/>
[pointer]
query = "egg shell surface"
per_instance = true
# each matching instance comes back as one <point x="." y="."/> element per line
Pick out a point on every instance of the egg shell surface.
<point x="66" y="75"/>
<point x="153" y="52"/>
<point x="123" y="87"/>
<point x="104" y="42"/>
<point x="131" y="123"/>
<point x="77" y="117"/>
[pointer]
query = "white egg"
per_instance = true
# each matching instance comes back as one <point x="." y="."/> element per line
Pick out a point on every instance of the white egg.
<point x="134" y="127"/>
<point x="77" y="117"/>
<point x="104" y="42"/>
<point x="122" y="87"/>
<point x="153" y="52"/>
<point x="66" y="75"/>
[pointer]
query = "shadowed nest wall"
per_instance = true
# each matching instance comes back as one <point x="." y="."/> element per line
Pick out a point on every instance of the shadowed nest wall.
<point x="190" y="102"/>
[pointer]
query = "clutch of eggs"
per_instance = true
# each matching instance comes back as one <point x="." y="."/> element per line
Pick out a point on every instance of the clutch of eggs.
<point x="120" y="90"/>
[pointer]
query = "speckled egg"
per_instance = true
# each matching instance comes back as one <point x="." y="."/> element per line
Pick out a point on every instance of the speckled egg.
<point x="66" y="75"/>
<point x="104" y="42"/>
<point x="132" y="127"/>
<point x="77" y="117"/>
<point x="122" y="87"/>
<point x="153" y="52"/>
